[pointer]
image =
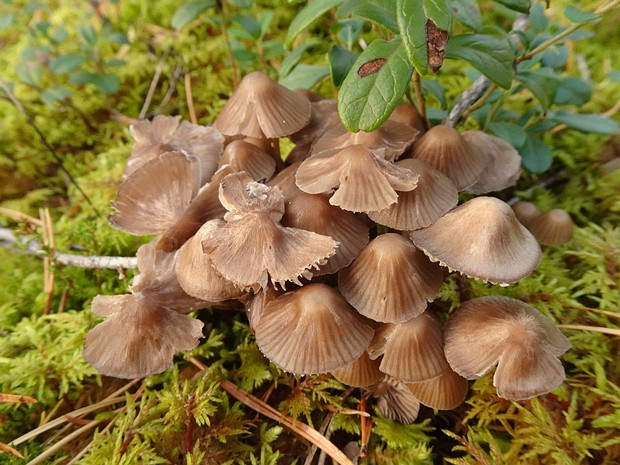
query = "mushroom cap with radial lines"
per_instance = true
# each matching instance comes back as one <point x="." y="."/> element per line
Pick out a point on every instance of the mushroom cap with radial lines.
<point x="312" y="330"/>
<point x="523" y="343"/>
<point x="394" y="399"/>
<point x="245" y="156"/>
<point x="362" y="181"/>
<point x="390" y="281"/>
<point x="260" y="107"/>
<point x="362" y="372"/>
<point x="482" y="239"/>
<point x="525" y="212"/>
<point x="554" y="227"/>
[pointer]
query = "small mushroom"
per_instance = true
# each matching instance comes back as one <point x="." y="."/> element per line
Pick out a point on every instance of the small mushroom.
<point x="408" y="114"/>
<point x="552" y="228"/>
<point x="482" y="239"/>
<point x="525" y="212"/>
<point x="363" y="181"/>
<point x="312" y="330"/>
<point x="504" y="162"/>
<point x="394" y="400"/>
<point x="523" y="343"/>
<point x="363" y="372"/>
<point x="245" y="156"/>
<point x="390" y="281"/>
<point x="260" y="107"/>
<point x="444" y="148"/>
<point x="445" y="392"/>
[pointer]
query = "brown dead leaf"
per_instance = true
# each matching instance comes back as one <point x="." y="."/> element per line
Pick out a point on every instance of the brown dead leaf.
<point x="436" y="40"/>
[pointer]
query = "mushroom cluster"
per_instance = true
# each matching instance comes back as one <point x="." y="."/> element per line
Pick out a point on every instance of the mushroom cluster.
<point x="335" y="254"/>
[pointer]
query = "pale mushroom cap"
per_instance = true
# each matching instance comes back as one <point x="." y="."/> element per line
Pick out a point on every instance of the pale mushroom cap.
<point x="444" y="148"/>
<point x="311" y="330"/>
<point x="408" y="114"/>
<point x="260" y="107"/>
<point x="314" y="213"/>
<point x="552" y="228"/>
<point x="150" y="200"/>
<point x="503" y="162"/>
<point x="412" y="351"/>
<point x="151" y="139"/>
<point x="240" y="194"/>
<point x="324" y="116"/>
<point x="499" y="330"/>
<point x="482" y="239"/>
<point x="434" y="195"/>
<point x="525" y="212"/>
<point x="390" y="281"/>
<point x="394" y="400"/>
<point x="445" y="392"/>
<point x="139" y="339"/>
<point x="245" y="156"/>
<point x="363" y="181"/>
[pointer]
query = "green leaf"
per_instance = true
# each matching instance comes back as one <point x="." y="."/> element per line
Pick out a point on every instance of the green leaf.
<point x="29" y="72"/>
<point x="6" y="20"/>
<point x="249" y="24"/>
<point x="374" y="86"/>
<point x="108" y="83"/>
<point x="118" y="38"/>
<point x="307" y="16"/>
<point x="467" y="12"/>
<point x="304" y="76"/>
<point x="424" y="26"/>
<point x="189" y="11"/>
<point x="574" y="91"/>
<point x="614" y="75"/>
<point x="88" y="34"/>
<point x="542" y="83"/>
<point x="575" y="15"/>
<point x="511" y="133"/>
<point x="52" y="95"/>
<point x="65" y="63"/>
<point x="490" y="55"/>
<point x="599" y="124"/>
<point x="340" y="62"/>
<point x="293" y="58"/>
<point x="522" y="6"/>
<point x="114" y="62"/>
<point x="381" y="12"/>
<point x="536" y="156"/>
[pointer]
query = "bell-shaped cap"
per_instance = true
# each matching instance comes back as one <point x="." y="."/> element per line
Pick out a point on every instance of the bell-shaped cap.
<point x="444" y="148"/>
<point x="412" y="351"/>
<point x="434" y="195"/>
<point x="150" y="200"/>
<point x="363" y="372"/>
<point x="363" y="181"/>
<point x="313" y="212"/>
<point x="503" y="162"/>
<point x="482" y="239"/>
<point x="409" y="115"/>
<point x="552" y="228"/>
<point x="445" y="392"/>
<point x="138" y="337"/>
<point x="523" y="343"/>
<point x="525" y="212"/>
<point x="394" y="400"/>
<point x="164" y="134"/>
<point x="311" y="330"/>
<point x="245" y="156"/>
<point x="324" y="116"/>
<point x="390" y="281"/>
<point x="260" y="107"/>
<point x="285" y="181"/>
<point x="388" y="142"/>
<point x="240" y="194"/>
<point x="196" y="273"/>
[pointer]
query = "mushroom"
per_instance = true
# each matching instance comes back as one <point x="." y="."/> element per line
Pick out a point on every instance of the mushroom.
<point x="363" y="181"/>
<point x="390" y="281"/>
<point x="363" y="372"/>
<point x="482" y="239"/>
<point x="260" y="107"/>
<point x="245" y="156"/>
<point x="552" y="228"/>
<point x="311" y="330"/>
<point x="525" y="212"/>
<point x="314" y="213"/>
<point x="251" y="247"/>
<point x="434" y="195"/>
<point x="394" y="400"/>
<point x="445" y="392"/>
<point x="412" y="351"/>
<point x="523" y="343"/>
<point x="444" y="148"/>
<point x="408" y="114"/>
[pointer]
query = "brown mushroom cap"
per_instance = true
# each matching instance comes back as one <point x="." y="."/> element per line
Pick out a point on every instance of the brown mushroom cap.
<point x="138" y="338"/>
<point x="412" y="351"/>
<point x="503" y="162"/>
<point x="552" y="228"/>
<point x="363" y="181"/>
<point x="260" y="107"/>
<point x="390" y="281"/>
<point x="523" y="343"/>
<point x="444" y="148"/>
<point x="245" y="156"/>
<point x="408" y="114"/>
<point x="315" y="213"/>
<point x="434" y="195"/>
<point x="482" y="239"/>
<point x="445" y="392"/>
<point x="324" y="117"/>
<point x="394" y="400"/>
<point x="525" y="212"/>
<point x="311" y="330"/>
<point x="363" y="372"/>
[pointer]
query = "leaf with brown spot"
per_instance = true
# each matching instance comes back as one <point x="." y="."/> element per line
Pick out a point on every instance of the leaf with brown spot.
<point x="371" y="67"/>
<point x="435" y="45"/>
